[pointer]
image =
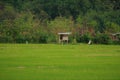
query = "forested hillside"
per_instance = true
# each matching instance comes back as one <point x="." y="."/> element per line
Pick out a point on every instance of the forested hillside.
<point x="39" y="21"/>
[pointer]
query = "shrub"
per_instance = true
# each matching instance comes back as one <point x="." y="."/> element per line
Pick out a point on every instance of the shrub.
<point x="3" y="39"/>
<point x="6" y="39"/>
<point x="43" y="38"/>
<point x="83" y="38"/>
<point x="22" y="39"/>
<point x="116" y="42"/>
<point x="51" y="38"/>
<point x="101" y="39"/>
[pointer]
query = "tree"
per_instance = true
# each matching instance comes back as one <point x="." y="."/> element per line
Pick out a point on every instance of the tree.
<point x="60" y="24"/>
<point x="112" y="27"/>
<point x="24" y="24"/>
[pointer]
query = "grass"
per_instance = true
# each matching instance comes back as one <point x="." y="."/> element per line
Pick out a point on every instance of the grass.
<point x="59" y="62"/>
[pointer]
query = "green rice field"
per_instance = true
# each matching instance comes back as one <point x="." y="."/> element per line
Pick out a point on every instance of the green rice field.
<point x="59" y="62"/>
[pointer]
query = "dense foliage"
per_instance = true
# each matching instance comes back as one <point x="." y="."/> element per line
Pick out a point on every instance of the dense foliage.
<point x="39" y="21"/>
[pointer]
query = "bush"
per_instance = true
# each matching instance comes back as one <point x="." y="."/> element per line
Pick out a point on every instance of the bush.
<point x="3" y="39"/>
<point x="22" y="39"/>
<point x="43" y="38"/>
<point x="6" y="39"/>
<point x="116" y="42"/>
<point x="83" y="38"/>
<point x="51" y="38"/>
<point x="101" y="39"/>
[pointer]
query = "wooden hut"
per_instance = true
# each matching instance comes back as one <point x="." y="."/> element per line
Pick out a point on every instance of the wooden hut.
<point x="114" y="36"/>
<point x="64" y="37"/>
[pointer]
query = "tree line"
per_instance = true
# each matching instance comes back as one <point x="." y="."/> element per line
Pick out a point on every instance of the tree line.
<point x="39" y="21"/>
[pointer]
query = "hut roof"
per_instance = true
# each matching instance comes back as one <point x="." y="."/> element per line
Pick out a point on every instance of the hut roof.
<point x="116" y="33"/>
<point x="64" y="33"/>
